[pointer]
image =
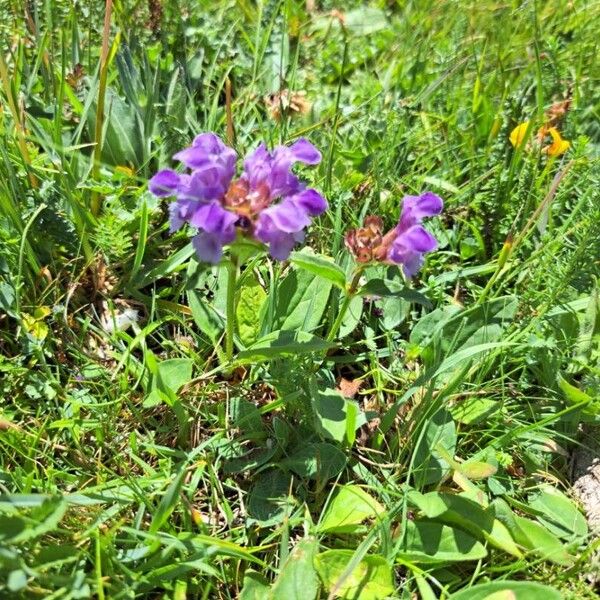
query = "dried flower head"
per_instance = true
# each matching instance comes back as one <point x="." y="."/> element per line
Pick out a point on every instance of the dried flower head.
<point x="287" y="103"/>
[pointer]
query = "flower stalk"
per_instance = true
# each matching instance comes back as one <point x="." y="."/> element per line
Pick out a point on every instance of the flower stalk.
<point x="232" y="273"/>
<point x="350" y="293"/>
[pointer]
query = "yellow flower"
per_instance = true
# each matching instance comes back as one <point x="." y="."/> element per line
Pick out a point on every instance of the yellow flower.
<point x="517" y="135"/>
<point x="556" y="148"/>
<point x="558" y="145"/>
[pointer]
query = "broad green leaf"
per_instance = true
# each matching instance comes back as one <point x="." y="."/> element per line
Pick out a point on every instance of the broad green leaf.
<point x="371" y="579"/>
<point x="268" y="499"/>
<point x="207" y="319"/>
<point x="174" y="373"/>
<point x="574" y="396"/>
<point x="385" y="288"/>
<point x="251" y="300"/>
<point x="429" y="542"/>
<point x="283" y="343"/>
<point x="301" y="300"/>
<point x="531" y="535"/>
<point x="462" y="512"/>
<point x="298" y="579"/>
<point x="352" y="317"/>
<point x="429" y="465"/>
<point x="473" y="469"/>
<point x="474" y="410"/>
<point x="507" y="590"/>
<point x="349" y="508"/>
<point x="255" y="587"/>
<point x="321" y="266"/>
<point x="320" y="461"/>
<point x="336" y="417"/>
<point x="559" y="514"/>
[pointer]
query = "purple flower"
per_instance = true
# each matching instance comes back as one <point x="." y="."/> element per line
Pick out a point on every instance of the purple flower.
<point x="404" y="245"/>
<point x="210" y="200"/>
<point x="412" y="240"/>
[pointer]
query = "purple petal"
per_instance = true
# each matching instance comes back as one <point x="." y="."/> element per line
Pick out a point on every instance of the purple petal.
<point x="287" y="216"/>
<point x="193" y="157"/>
<point x="164" y="183"/>
<point x="282" y="182"/>
<point x="305" y="152"/>
<point x="176" y="221"/>
<point x="208" y="247"/>
<point x="413" y="261"/>
<point x="417" y="239"/>
<point x="280" y="242"/>
<point x="311" y="201"/>
<point x="210" y="143"/>
<point x="206" y="183"/>
<point x="213" y="218"/>
<point x="181" y="211"/>
<point x="207" y="149"/>
<point x="416" y="208"/>
<point x="257" y="166"/>
<point x="301" y="151"/>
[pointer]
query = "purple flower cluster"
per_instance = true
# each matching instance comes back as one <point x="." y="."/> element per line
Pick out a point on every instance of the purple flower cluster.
<point x="411" y="241"/>
<point x="267" y="202"/>
<point x="406" y="244"/>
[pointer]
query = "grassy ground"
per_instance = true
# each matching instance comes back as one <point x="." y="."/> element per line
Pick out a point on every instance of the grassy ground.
<point x="131" y="467"/>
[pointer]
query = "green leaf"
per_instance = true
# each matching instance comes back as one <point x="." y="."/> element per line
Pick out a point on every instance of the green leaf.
<point x="174" y="373"/>
<point x="429" y="542"/>
<point x="251" y="299"/>
<point x="16" y="580"/>
<point x="589" y="325"/>
<point x="386" y="288"/>
<point x="532" y="535"/>
<point x="168" y="502"/>
<point x="575" y="396"/>
<point x="316" y="461"/>
<point x="321" y="266"/>
<point x="268" y="498"/>
<point x="370" y="579"/>
<point x="559" y="514"/>
<point x="474" y="469"/>
<point x="474" y="410"/>
<point x="283" y="343"/>
<point x="352" y="317"/>
<point x="507" y="590"/>
<point x="207" y="319"/>
<point x="365" y="20"/>
<point x="429" y="466"/>
<point x="41" y="520"/>
<point x="336" y="417"/>
<point x="297" y="579"/>
<point x="468" y="515"/>
<point x="256" y="587"/>
<point x="300" y="301"/>
<point x="170" y="376"/>
<point x="348" y="510"/>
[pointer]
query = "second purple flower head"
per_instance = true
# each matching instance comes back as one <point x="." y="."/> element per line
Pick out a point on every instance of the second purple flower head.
<point x="267" y="202"/>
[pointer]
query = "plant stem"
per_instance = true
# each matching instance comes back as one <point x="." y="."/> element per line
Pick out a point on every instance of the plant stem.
<point x="230" y="324"/>
<point x="96" y="201"/>
<point x="350" y="293"/>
